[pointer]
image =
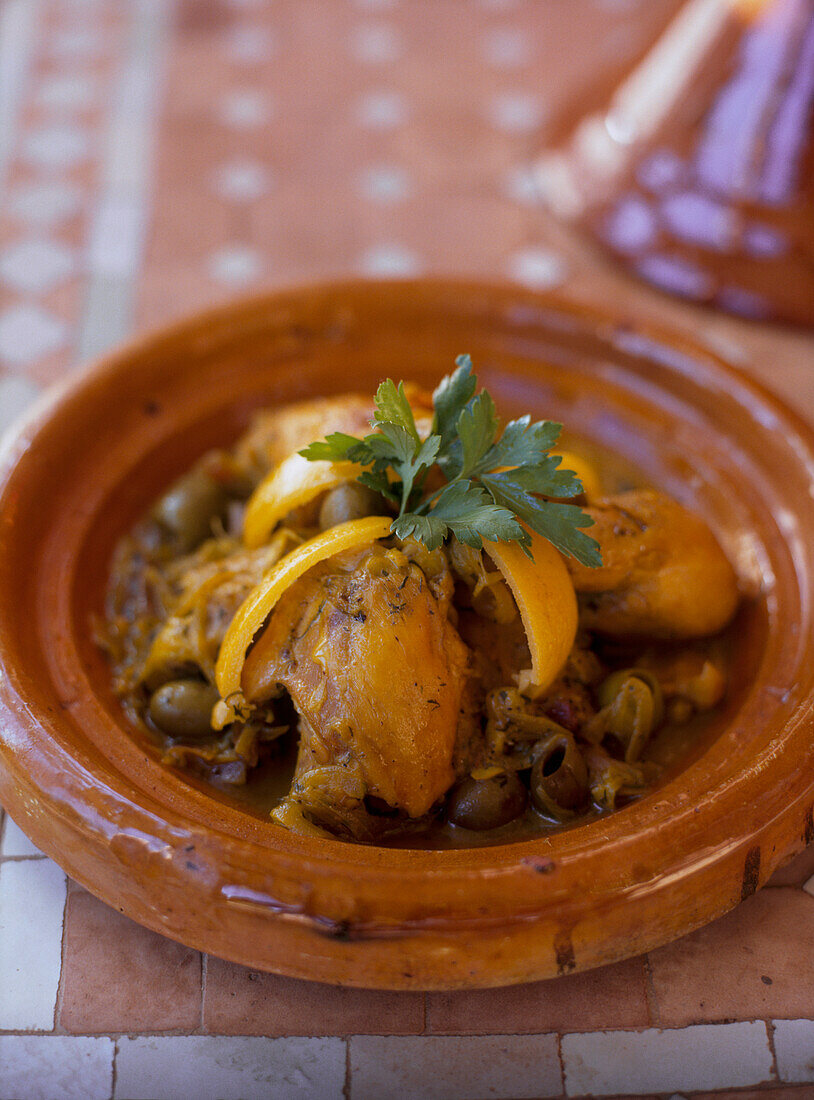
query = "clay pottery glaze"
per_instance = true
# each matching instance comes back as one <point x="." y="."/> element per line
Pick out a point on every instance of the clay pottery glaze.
<point x="697" y="170"/>
<point x="197" y="867"/>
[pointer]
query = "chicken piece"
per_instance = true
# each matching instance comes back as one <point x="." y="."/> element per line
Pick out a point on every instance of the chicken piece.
<point x="664" y="575"/>
<point x="209" y="587"/>
<point x="691" y="680"/>
<point x="499" y="650"/>
<point x="377" y="672"/>
<point x="277" y="433"/>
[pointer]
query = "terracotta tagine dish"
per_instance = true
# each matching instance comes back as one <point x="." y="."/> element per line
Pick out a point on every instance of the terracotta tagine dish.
<point x="697" y="172"/>
<point x="212" y="869"/>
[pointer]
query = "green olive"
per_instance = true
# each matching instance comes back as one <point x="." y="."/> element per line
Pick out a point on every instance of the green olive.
<point x="351" y="500"/>
<point x="613" y="684"/>
<point x="559" y="778"/>
<point x="610" y="779"/>
<point x="633" y="706"/>
<point x="487" y="803"/>
<point x="183" y="709"/>
<point x="189" y="507"/>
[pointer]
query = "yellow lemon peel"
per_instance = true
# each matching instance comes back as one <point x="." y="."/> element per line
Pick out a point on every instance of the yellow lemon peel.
<point x="545" y="598"/>
<point x="293" y="483"/>
<point x="585" y="471"/>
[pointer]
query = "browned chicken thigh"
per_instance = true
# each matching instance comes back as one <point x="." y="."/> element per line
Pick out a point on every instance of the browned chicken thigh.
<point x="377" y="672"/>
<point x="663" y="573"/>
<point x="277" y="433"/>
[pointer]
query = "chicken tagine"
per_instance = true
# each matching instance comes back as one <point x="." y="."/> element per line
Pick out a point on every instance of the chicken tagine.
<point x="417" y="619"/>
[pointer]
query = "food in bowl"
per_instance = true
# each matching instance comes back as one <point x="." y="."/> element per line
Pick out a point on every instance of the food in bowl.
<point x="437" y="633"/>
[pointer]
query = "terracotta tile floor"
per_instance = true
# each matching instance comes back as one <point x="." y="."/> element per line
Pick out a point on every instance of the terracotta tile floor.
<point x="163" y="156"/>
<point x="610" y="997"/>
<point x="243" y="1002"/>
<point x="157" y="984"/>
<point x="741" y="967"/>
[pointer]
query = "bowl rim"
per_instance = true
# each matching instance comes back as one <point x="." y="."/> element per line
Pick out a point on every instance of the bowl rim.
<point x="520" y="867"/>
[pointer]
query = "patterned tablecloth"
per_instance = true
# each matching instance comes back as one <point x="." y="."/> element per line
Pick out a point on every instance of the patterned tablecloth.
<point x="156" y="156"/>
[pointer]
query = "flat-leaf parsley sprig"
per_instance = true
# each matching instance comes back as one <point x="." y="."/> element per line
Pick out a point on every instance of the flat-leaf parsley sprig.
<point x="496" y="483"/>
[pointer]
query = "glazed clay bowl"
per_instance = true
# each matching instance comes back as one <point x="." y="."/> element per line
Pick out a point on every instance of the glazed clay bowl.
<point x="220" y="878"/>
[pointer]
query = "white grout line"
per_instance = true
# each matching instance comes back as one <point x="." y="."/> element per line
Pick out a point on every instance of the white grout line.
<point x="118" y="227"/>
<point x="204" y="970"/>
<point x="18" y="21"/>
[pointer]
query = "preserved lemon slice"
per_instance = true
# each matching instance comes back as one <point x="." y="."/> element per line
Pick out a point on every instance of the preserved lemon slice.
<point x="584" y="470"/>
<point x="293" y="483"/>
<point x="257" y="606"/>
<point x="545" y="598"/>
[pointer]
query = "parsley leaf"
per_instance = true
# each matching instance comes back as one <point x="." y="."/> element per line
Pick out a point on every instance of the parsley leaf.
<point x="544" y="477"/>
<point x="393" y="445"/>
<point x="412" y="468"/>
<point x="337" y="447"/>
<point x="451" y="398"/>
<point x="523" y="442"/>
<point x="559" y="523"/>
<point x="466" y="511"/>
<point x="379" y="482"/>
<point x="398" y="444"/>
<point x="477" y="428"/>
<point x="392" y="407"/>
